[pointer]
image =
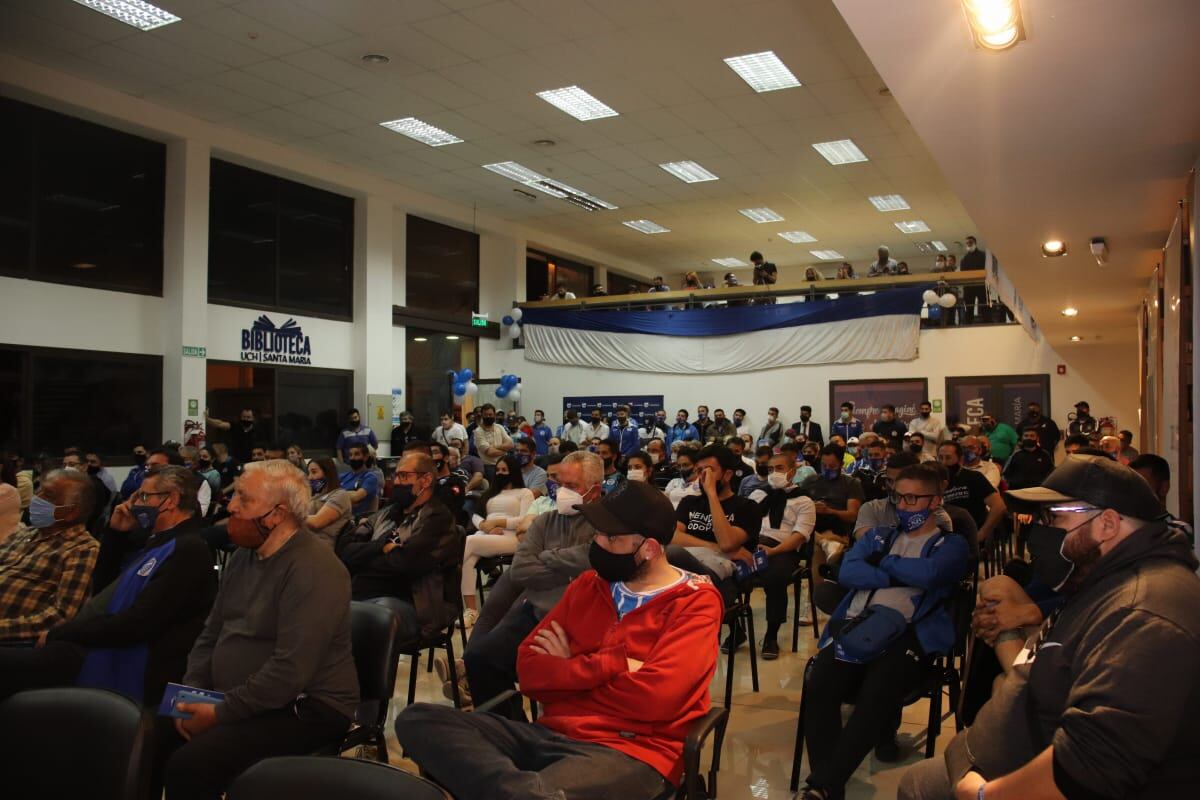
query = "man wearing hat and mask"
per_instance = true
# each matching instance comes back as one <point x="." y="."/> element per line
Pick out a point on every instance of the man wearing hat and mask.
<point x="1084" y="423"/>
<point x="621" y="666"/>
<point x="1101" y="702"/>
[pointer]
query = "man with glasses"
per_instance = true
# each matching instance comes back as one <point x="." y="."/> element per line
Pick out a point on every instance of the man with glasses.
<point x="1101" y="701"/>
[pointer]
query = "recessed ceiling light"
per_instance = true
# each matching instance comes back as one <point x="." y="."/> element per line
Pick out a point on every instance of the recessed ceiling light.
<point x="730" y="262"/>
<point x="645" y="226"/>
<point x="142" y="16"/>
<point x="763" y="71"/>
<point x="995" y="24"/>
<point x="1054" y="248"/>
<point x="843" y="151"/>
<point x="544" y="142"/>
<point x="375" y="59"/>
<point x="689" y="171"/>
<point x="452" y="338"/>
<point x="760" y="215"/>
<point x="912" y="226"/>
<point x="827" y="255"/>
<point x="889" y="202"/>
<point x="423" y="132"/>
<point x="1076" y="338"/>
<point x="1070" y="311"/>
<point x="797" y="237"/>
<point x="420" y="339"/>
<point x="578" y="103"/>
<point x="939" y="246"/>
<point x="534" y="180"/>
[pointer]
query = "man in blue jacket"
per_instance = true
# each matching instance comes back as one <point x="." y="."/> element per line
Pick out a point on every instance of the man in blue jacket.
<point x="903" y="575"/>
<point x="625" y="433"/>
<point x="682" y="430"/>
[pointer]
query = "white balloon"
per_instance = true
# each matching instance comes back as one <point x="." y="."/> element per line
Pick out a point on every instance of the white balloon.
<point x="930" y="296"/>
<point x="514" y="332"/>
<point x="472" y="389"/>
<point x="516" y="314"/>
<point x="947" y="300"/>
<point x="514" y="395"/>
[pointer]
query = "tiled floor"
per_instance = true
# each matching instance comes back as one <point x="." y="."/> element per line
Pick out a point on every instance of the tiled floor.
<point x="757" y="756"/>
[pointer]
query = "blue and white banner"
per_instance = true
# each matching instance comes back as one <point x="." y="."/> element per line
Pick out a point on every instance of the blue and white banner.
<point x="881" y="326"/>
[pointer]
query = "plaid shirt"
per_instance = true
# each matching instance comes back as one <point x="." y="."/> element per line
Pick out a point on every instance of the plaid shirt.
<point x="44" y="579"/>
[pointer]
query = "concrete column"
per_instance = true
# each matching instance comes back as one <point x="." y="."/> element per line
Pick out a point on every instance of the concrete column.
<point x="600" y="276"/>
<point x="185" y="286"/>
<point x="373" y="276"/>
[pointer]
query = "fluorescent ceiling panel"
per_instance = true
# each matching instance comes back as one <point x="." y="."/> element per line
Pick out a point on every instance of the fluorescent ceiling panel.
<point x="889" y="202"/>
<point x="578" y="103"/>
<point x="798" y="237"/>
<point x="763" y="71"/>
<point x="423" y="132"/>
<point x="912" y="226"/>
<point x="827" y="255"/>
<point x="534" y="180"/>
<point x="646" y="226"/>
<point x="142" y="16"/>
<point x="689" y="171"/>
<point x="843" y="151"/>
<point x="939" y="246"/>
<point x="730" y="262"/>
<point x="760" y="215"/>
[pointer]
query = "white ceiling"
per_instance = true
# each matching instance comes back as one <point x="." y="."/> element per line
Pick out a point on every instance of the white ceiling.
<point x="1087" y="128"/>
<point x="291" y="71"/>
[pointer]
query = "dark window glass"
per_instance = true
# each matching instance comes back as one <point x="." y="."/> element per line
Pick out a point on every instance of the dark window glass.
<point x="560" y="273"/>
<point x="622" y="284"/>
<point x="278" y="244"/>
<point x="442" y="266"/>
<point x="429" y="356"/>
<point x="104" y="402"/>
<point x="82" y="203"/>
<point x="537" y="278"/>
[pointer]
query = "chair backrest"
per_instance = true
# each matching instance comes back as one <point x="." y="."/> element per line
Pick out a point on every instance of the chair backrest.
<point x="373" y="631"/>
<point x="74" y="742"/>
<point x="319" y="778"/>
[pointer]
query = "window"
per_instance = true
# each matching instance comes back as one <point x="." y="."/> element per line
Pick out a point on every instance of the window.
<point x="104" y="402"/>
<point x="82" y="204"/>
<point x="442" y="267"/>
<point x="278" y="244"/>
<point x="292" y="406"/>
<point x="623" y="284"/>
<point x="429" y="356"/>
<point x="553" y="272"/>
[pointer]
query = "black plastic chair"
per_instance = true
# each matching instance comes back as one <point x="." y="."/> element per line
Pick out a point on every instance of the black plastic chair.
<point x="443" y="639"/>
<point x="112" y="762"/>
<point x="484" y="566"/>
<point x="739" y="615"/>
<point x="373" y="631"/>
<point x="319" y="778"/>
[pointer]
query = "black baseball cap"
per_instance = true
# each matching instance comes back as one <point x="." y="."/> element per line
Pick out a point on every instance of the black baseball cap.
<point x="633" y="507"/>
<point x="1096" y="480"/>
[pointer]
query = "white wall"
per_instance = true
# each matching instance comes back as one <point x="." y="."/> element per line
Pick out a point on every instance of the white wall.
<point x="40" y="314"/>
<point x="1105" y="376"/>
<point x="332" y="341"/>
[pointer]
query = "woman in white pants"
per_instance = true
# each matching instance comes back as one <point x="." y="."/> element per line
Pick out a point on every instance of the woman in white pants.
<point x="506" y="501"/>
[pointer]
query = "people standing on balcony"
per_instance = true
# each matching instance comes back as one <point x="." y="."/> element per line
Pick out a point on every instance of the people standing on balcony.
<point x="974" y="258"/>
<point x="846" y="271"/>
<point x="939" y="263"/>
<point x="765" y="274"/>
<point x="884" y="264"/>
<point x="951" y="263"/>
<point x="813" y="274"/>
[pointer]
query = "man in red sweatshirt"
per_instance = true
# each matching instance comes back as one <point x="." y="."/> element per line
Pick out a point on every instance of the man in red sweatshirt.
<point x="621" y="666"/>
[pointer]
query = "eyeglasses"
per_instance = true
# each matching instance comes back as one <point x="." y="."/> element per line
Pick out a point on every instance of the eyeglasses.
<point x="407" y="475"/>
<point x="143" y="496"/>
<point x="1072" y="508"/>
<point x="909" y="499"/>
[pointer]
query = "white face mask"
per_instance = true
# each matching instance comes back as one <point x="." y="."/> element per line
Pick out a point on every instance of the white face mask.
<point x="777" y="480"/>
<point x="655" y="458"/>
<point x="636" y="475"/>
<point x="566" y="500"/>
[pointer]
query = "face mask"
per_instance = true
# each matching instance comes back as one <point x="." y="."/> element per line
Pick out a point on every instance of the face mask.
<point x="970" y="457"/>
<point x="952" y="471"/>
<point x="403" y="495"/>
<point x="777" y="480"/>
<point x="912" y="520"/>
<point x="761" y="470"/>
<point x="686" y="474"/>
<point x="1034" y="414"/>
<point x="738" y="420"/>
<point x="247" y="425"/>
<point x="502" y="480"/>
<point x="924" y="415"/>
<point x="681" y="420"/>
<point x="595" y="421"/>
<point x="805" y="417"/>
<point x="875" y="463"/>
<point x="139" y="459"/>
<point x="552" y="448"/>
<point x="989" y="426"/>
<point x="316" y="485"/>
<point x="1028" y="444"/>
<point x="249" y="533"/>
<point x="145" y="516"/>
<point x="830" y="474"/>
<point x="552" y="489"/>
<point x="845" y="416"/>
<point x="613" y="567"/>
<point x="489" y="422"/>
<point x="702" y="415"/>
<point x="771" y="418"/>
<point x="356" y="463"/>
<point x="204" y="462"/>
<point x="916" y="448"/>
<point x="852" y="449"/>
<point x="1046" y="544"/>
<point x="523" y="459"/>
<point x="41" y="513"/>
<point x="93" y="470"/>
<point x="565" y="501"/>
<point x="636" y="475"/>
<point x="608" y="462"/>
<point x="655" y="458"/>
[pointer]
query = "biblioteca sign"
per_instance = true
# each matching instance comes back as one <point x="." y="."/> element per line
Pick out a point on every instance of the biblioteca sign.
<point x="264" y="343"/>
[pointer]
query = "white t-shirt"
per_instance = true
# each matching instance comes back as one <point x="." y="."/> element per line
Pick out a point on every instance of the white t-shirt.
<point x="443" y="436"/>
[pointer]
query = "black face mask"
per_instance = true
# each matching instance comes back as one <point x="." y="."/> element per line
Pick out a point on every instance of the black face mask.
<point x="1029" y="444"/>
<point x="247" y="425"/>
<point x="489" y="422"/>
<point x="356" y="463"/>
<point x="403" y="495"/>
<point x="916" y="448"/>
<point x="502" y="480"/>
<point x="805" y="417"/>
<point x="761" y="470"/>
<point x="924" y="415"/>
<point x="139" y="459"/>
<point x="614" y="567"/>
<point x="595" y="420"/>
<point x="608" y="462"/>
<point x="1045" y="543"/>
<point x="93" y="469"/>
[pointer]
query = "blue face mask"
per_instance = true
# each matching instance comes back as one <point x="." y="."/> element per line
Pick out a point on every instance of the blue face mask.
<point x="523" y="459"/>
<point x="145" y="516"/>
<point x="970" y="457"/>
<point x="552" y="490"/>
<point x="876" y="463"/>
<point x="912" y="520"/>
<point x="316" y="484"/>
<point x="830" y="474"/>
<point x="41" y="512"/>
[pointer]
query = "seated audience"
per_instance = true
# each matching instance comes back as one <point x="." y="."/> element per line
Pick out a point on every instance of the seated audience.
<point x="276" y="644"/>
<point x="450" y="485"/>
<point x="10" y="511"/>
<point x="1157" y="472"/>
<point x="75" y="459"/>
<point x="533" y="476"/>
<point x="133" y="478"/>
<point x="639" y="467"/>
<point x="973" y="450"/>
<point x="903" y="575"/>
<point x="1031" y="464"/>
<point x="329" y="509"/>
<point x="619" y="686"/>
<point x="871" y="473"/>
<point x="758" y="480"/>
<point x="506" y="501"/>
<point x="662" y="471"/>
<point x="361" y="482"/>
<point x="684" y="483"/>
<point x="610" y="455"/>
<point x="836" y="497"/>
<point x="970" y="490"/>
<point x="46" y="569"/>
<point x="1101" y="703"/>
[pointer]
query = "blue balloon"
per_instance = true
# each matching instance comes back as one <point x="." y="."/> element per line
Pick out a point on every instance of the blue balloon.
<point x="465" y="375"/>
<point x="502" y="391"/>
<point x="460" y="389"/>
<point x="935" y="312"/>
<point x="507" y="319"/>
<point x="509" y="381"/>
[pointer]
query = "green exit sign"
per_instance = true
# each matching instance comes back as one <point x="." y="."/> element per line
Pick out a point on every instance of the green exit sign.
<point x="479" y="320"/>
<point x="194" y="352"/>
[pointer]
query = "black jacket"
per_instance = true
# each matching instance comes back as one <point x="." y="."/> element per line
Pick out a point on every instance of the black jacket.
<point x="814" y="431"/>
<point x="1026" y="468"/>
<point x="890" y="430"/>
<point x="167" y="615"/>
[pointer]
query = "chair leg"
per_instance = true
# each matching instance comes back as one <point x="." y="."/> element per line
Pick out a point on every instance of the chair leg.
<point x="729" y="665"/>
<point x="462" y="628"/>
<point x="812" y="606"/>
<point x="953" y="679"/>
<point x="412" y="677"/>
<point x="796" y="615"/>
<point x="935" y="720"/>
<point x="381" y="753"/>
<point x="479" y="589"/>
<point x="749" y="614"/>
<point x="453" y="670"/>
<point x="798" y="752"/>
<point x="429" y="663"/>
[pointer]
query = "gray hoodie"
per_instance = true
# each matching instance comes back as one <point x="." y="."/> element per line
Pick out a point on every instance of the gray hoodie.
<point x="553" y="553"/>
<point x="1112" y="686"/>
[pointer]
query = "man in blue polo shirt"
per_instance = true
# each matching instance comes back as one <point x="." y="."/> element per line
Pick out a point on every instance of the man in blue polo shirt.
<point x="542" y="433"/>
<point x="355" y="433"/>
<point x="362" y="483"/>
<point x="625" y="433"/>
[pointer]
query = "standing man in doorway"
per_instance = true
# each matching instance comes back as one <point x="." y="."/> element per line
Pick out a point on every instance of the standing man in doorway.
<point x="354" y="433"/>
<point x="241" y="436"/>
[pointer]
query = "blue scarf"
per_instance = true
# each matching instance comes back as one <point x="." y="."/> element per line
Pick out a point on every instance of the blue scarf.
<point x="123" y="669"/>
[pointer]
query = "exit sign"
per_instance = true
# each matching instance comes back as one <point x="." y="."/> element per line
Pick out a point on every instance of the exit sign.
<point x="194" y="352"/>
<point x="479" y="320"/>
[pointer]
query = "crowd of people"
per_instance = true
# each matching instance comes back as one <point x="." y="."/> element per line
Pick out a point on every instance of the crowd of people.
<point x="628" y="540"/>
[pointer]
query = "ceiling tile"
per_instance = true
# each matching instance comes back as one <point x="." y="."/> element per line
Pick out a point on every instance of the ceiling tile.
<point x="292" y="19"/>
<point x="459" y="33"/>
<point x="287" y="75"/>
<point x="250" y="32"/>
<point x="253" y="86"/>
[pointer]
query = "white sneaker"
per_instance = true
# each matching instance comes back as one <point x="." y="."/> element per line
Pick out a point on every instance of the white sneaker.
<point x="805" y="610"/>
<point x="468" y="619"/>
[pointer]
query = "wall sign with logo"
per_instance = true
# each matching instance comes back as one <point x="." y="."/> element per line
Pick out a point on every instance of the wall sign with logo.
<point x="869" y="396"/>
<point x="1006" y="397"/>
<point x="265" y="343"/>
<point x="640" y="405"/>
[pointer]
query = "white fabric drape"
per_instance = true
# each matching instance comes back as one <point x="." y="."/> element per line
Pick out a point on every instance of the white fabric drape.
<point x="882" y="338"/>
